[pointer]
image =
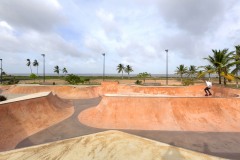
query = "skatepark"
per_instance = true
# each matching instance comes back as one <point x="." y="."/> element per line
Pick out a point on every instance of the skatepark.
<point x="169" y="121"/>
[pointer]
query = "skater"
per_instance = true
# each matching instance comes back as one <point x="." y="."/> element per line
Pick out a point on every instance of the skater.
<point x="207" y="89"/>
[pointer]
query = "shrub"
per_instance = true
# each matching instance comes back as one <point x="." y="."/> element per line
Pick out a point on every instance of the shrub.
<point x="87" y="80"/>
<point x="3" y="98"/>
<point x="11" y="81"/>
<point x="138" y="82"/>
<point x="144" y="75"/>
<point x="33" y="76"/>
<point x="73" y="79"/>
<point x="187" y="82"/>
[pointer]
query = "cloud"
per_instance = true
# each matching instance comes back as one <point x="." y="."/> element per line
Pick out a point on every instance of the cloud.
<point x="136" y="32"/>
<point x="5" y="26"/>
<point x="30" y="28"/>
<point x="195" y="17"/>
<point x="37" y="15"/>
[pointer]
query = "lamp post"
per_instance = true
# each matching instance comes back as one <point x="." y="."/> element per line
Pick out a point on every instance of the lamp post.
<point x="103" y="65"/>
<point x="166" y="66"/>
<point x="1" y="70"/>
<point x="43" y="67"/>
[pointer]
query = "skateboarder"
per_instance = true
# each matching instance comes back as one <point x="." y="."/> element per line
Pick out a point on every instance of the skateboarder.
<point x="207" y="89"/>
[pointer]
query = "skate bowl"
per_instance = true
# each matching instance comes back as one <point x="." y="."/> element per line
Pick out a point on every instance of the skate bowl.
<point x="105" y="146"/>
<point x="128" y="107"/>
<point x="161" y="112"/>
<point x="78" y="92"/>
<point x="66" y="92"/>
<point x="24" y="116"/>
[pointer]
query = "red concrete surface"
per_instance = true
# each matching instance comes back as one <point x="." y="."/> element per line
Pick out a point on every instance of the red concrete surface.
<point x="165" y="113"/>
<point x="21" y="119"/>
<point x="67" y="92"/>
<point x="76" y="92"/>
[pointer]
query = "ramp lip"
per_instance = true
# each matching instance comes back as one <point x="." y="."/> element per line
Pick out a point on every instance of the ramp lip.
<point x="27" y="97"/>
<point x="141" y="95"/>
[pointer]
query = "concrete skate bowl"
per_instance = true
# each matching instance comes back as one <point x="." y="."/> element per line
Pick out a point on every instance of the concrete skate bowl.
<point x="178" y="91"/>
<point x="107" y="145"/>
<point x="164" y="113"/>
<point x="81" y="92"/>
<point x="24" y="116"/>
<point x="66" y="92"/>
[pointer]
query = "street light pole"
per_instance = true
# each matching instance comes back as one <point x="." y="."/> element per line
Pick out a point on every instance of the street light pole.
<point x="103" y="65"/>
<point x="1" y="70"/>
<point x="43" y="67"/>
<point x="166" y="66"/>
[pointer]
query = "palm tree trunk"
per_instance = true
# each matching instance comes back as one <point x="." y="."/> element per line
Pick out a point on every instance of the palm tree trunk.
<point x="219" y="77"/>
<point x="122" y="74"/>
<point x="181" y="78"/>
<point x="37" y="70"/>
<point x="208" y="76"/>
<point x="237" y="79"/>
<point x="128" y="76"/>
<point x="30" y="69"/>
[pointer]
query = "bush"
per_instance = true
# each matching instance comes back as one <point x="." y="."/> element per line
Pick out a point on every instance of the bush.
<point x="73" y="79"/>
<point x="11" y="81"/>
<point x="87" y="80"/>
<point x="138" y="82"/>
<point x="33" y="76"/>
<point x="187" y="82"/>
<point x="2" y="98"/>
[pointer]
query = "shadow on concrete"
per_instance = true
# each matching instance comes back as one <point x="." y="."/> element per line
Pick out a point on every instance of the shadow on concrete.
<point x="220" y="144"/>
<point x="173" y="153"/>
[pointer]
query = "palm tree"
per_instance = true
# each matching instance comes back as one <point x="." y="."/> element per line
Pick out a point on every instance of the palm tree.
<point x="237" y="60"/>
<point x="56" y="70"/>
<point x="207" y="70"/>
<point x="120" y="68"/>
<point x="64" y="70"/>
<point x="29" y="64"/>
<point x="192" y="71"/>
<point x="128" y="69"/>
<point x="221" y="61"/>
<point x="36" y="64"/>
<point x="181" y="70"/>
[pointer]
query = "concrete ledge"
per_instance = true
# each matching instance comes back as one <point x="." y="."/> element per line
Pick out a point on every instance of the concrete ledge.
<point x="152" y="84"/>
<point x="31" y="96"/>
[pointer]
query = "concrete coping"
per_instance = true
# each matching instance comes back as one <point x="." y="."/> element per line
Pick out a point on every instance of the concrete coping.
<point x="136" y="95"/>
<point x="60" y="85"/>
<point x="30" y="96"/>
<point x="159" y="96"/>
<point x="162" y="86"/>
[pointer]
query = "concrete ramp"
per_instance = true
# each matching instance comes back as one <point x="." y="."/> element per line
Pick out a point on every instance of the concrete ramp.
<point x="24" y="116"/>
<point x="67" y="92"/>
<point x="165" y="113"/>
<point x="82" y="92"/>
<point x="109" y="145"/>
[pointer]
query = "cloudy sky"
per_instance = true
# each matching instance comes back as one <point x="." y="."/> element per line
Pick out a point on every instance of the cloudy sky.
<point x="75" y="33"/>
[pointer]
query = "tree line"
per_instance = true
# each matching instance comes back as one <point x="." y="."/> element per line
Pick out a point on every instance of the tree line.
<point x="225" y="63"/>
<point x="36" y="64"/>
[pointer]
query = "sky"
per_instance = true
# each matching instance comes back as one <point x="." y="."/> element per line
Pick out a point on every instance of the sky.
<point x="75" y="33"/>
